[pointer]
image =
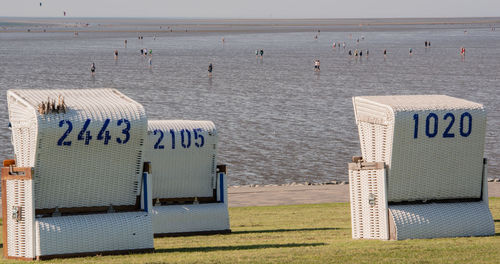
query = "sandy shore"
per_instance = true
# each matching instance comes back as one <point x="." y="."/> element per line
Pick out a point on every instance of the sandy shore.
<point x="302" y="194"/>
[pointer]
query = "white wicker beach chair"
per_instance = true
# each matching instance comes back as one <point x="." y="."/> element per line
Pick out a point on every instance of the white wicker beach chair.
<point x="422" y="172"/>
<point x="189" y="190"/>
<point x="81" y="155"/>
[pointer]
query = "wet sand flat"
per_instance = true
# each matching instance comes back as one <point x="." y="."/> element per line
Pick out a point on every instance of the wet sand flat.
<point x="166" y="25"/>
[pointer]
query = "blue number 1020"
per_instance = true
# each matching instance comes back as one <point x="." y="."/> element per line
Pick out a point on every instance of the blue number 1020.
<point x="431" y="125"/>
<point x="415" y="131"/>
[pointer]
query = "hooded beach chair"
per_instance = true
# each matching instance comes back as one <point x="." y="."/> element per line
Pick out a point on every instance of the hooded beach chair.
<point x="77" y="185"/>
<point x="422" y="173"/>
<point x="189" y="189"/>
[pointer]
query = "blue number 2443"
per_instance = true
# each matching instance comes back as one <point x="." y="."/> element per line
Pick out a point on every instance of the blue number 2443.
<point x="85" y="133"/>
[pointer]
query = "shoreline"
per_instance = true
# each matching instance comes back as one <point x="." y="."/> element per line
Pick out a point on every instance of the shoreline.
<point x="164" y="26"/>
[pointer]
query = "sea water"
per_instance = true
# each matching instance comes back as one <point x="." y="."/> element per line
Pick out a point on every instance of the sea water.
<point x="278" y="120"/>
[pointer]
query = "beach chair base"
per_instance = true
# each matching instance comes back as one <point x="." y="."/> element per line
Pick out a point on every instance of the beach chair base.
<point x="97" y="253"/>
<point x="435" y="220"/>
<point x="80" y="234"/>
<point x="374" y="217"/>
<point x="28" y="235"/>
<point x="192" y="219"/>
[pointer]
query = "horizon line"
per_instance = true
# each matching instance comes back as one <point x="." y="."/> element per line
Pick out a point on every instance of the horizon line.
<point x="249" y="18"/>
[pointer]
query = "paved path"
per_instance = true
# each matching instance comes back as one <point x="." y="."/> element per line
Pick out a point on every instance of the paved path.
<point x="302" y="194"/>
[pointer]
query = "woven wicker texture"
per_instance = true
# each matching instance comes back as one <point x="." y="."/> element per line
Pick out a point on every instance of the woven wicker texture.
<point x="91" y="233"/>
<point x="442" y="220"/>
<point x="424" y="162"/>
<point x="79" y="169"/>
<point x="368" y="204"/>
<point x="185" y="167"/>
<point x="421" y="102"/>
<point x="20" y="241"/>
<point x="193" y="217"/>
<point x="190" y="218"/>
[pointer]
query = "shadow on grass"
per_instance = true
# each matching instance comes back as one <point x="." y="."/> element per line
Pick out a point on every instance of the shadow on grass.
<point x="240" y="247"/>
<point x="497" y="234"/>
<point x="284" y="230"/>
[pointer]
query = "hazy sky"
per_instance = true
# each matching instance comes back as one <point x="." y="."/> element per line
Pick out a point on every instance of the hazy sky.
<point x="251" y="8"/>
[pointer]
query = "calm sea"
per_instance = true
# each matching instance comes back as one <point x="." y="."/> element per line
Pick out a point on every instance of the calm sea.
<point x="278" y="120"/>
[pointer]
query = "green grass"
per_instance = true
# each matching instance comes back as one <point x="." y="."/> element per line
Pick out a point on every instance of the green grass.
<point x="318" y="233"/>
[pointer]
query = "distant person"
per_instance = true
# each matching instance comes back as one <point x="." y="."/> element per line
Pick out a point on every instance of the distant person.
<point x="356" y="53"/>
<point x="256" y="53"/>
<point x="145" y="52"/>
<point x="261" y="53"/>
<point x="425" y="44"/>
<point x="150" y="52"/>
<point x="210" y="69"/>
<point x="343" y="45"/>
<point x="367" y="53"/>
<point x="316" y="65"/>
<point x="223" y="40"/>
<point x="350" y="53"/>
<point x="125" y="43"/>
<point x="92" y="69"/>
<point x="142" y="51"/>
<point x="429" y="43"/>
<point x="411" y="51"/>
<point x="385" y="52"/>
<point x="360" y="53"/>
<point x="116" y="54"/>
<point x="462" y="51"/>
<point x="150" y="61"/>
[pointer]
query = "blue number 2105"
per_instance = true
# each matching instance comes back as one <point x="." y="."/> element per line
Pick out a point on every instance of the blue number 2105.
<point x="432" y="125"/>
<point x="199" y="139"/>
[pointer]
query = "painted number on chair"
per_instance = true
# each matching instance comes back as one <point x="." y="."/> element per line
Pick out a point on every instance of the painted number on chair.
<point x="186" y="137"/>
<point x="103" y="133"/>
<point x="433" y="122"/>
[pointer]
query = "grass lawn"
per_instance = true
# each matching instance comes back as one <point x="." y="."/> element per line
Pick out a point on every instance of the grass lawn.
<point x="318" y="233"/>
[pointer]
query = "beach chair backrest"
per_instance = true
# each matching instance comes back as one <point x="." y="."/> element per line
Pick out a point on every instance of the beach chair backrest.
<point x="183" y="158"/>
<point x="432" y="144"/>
<point x="85" y="145"/>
